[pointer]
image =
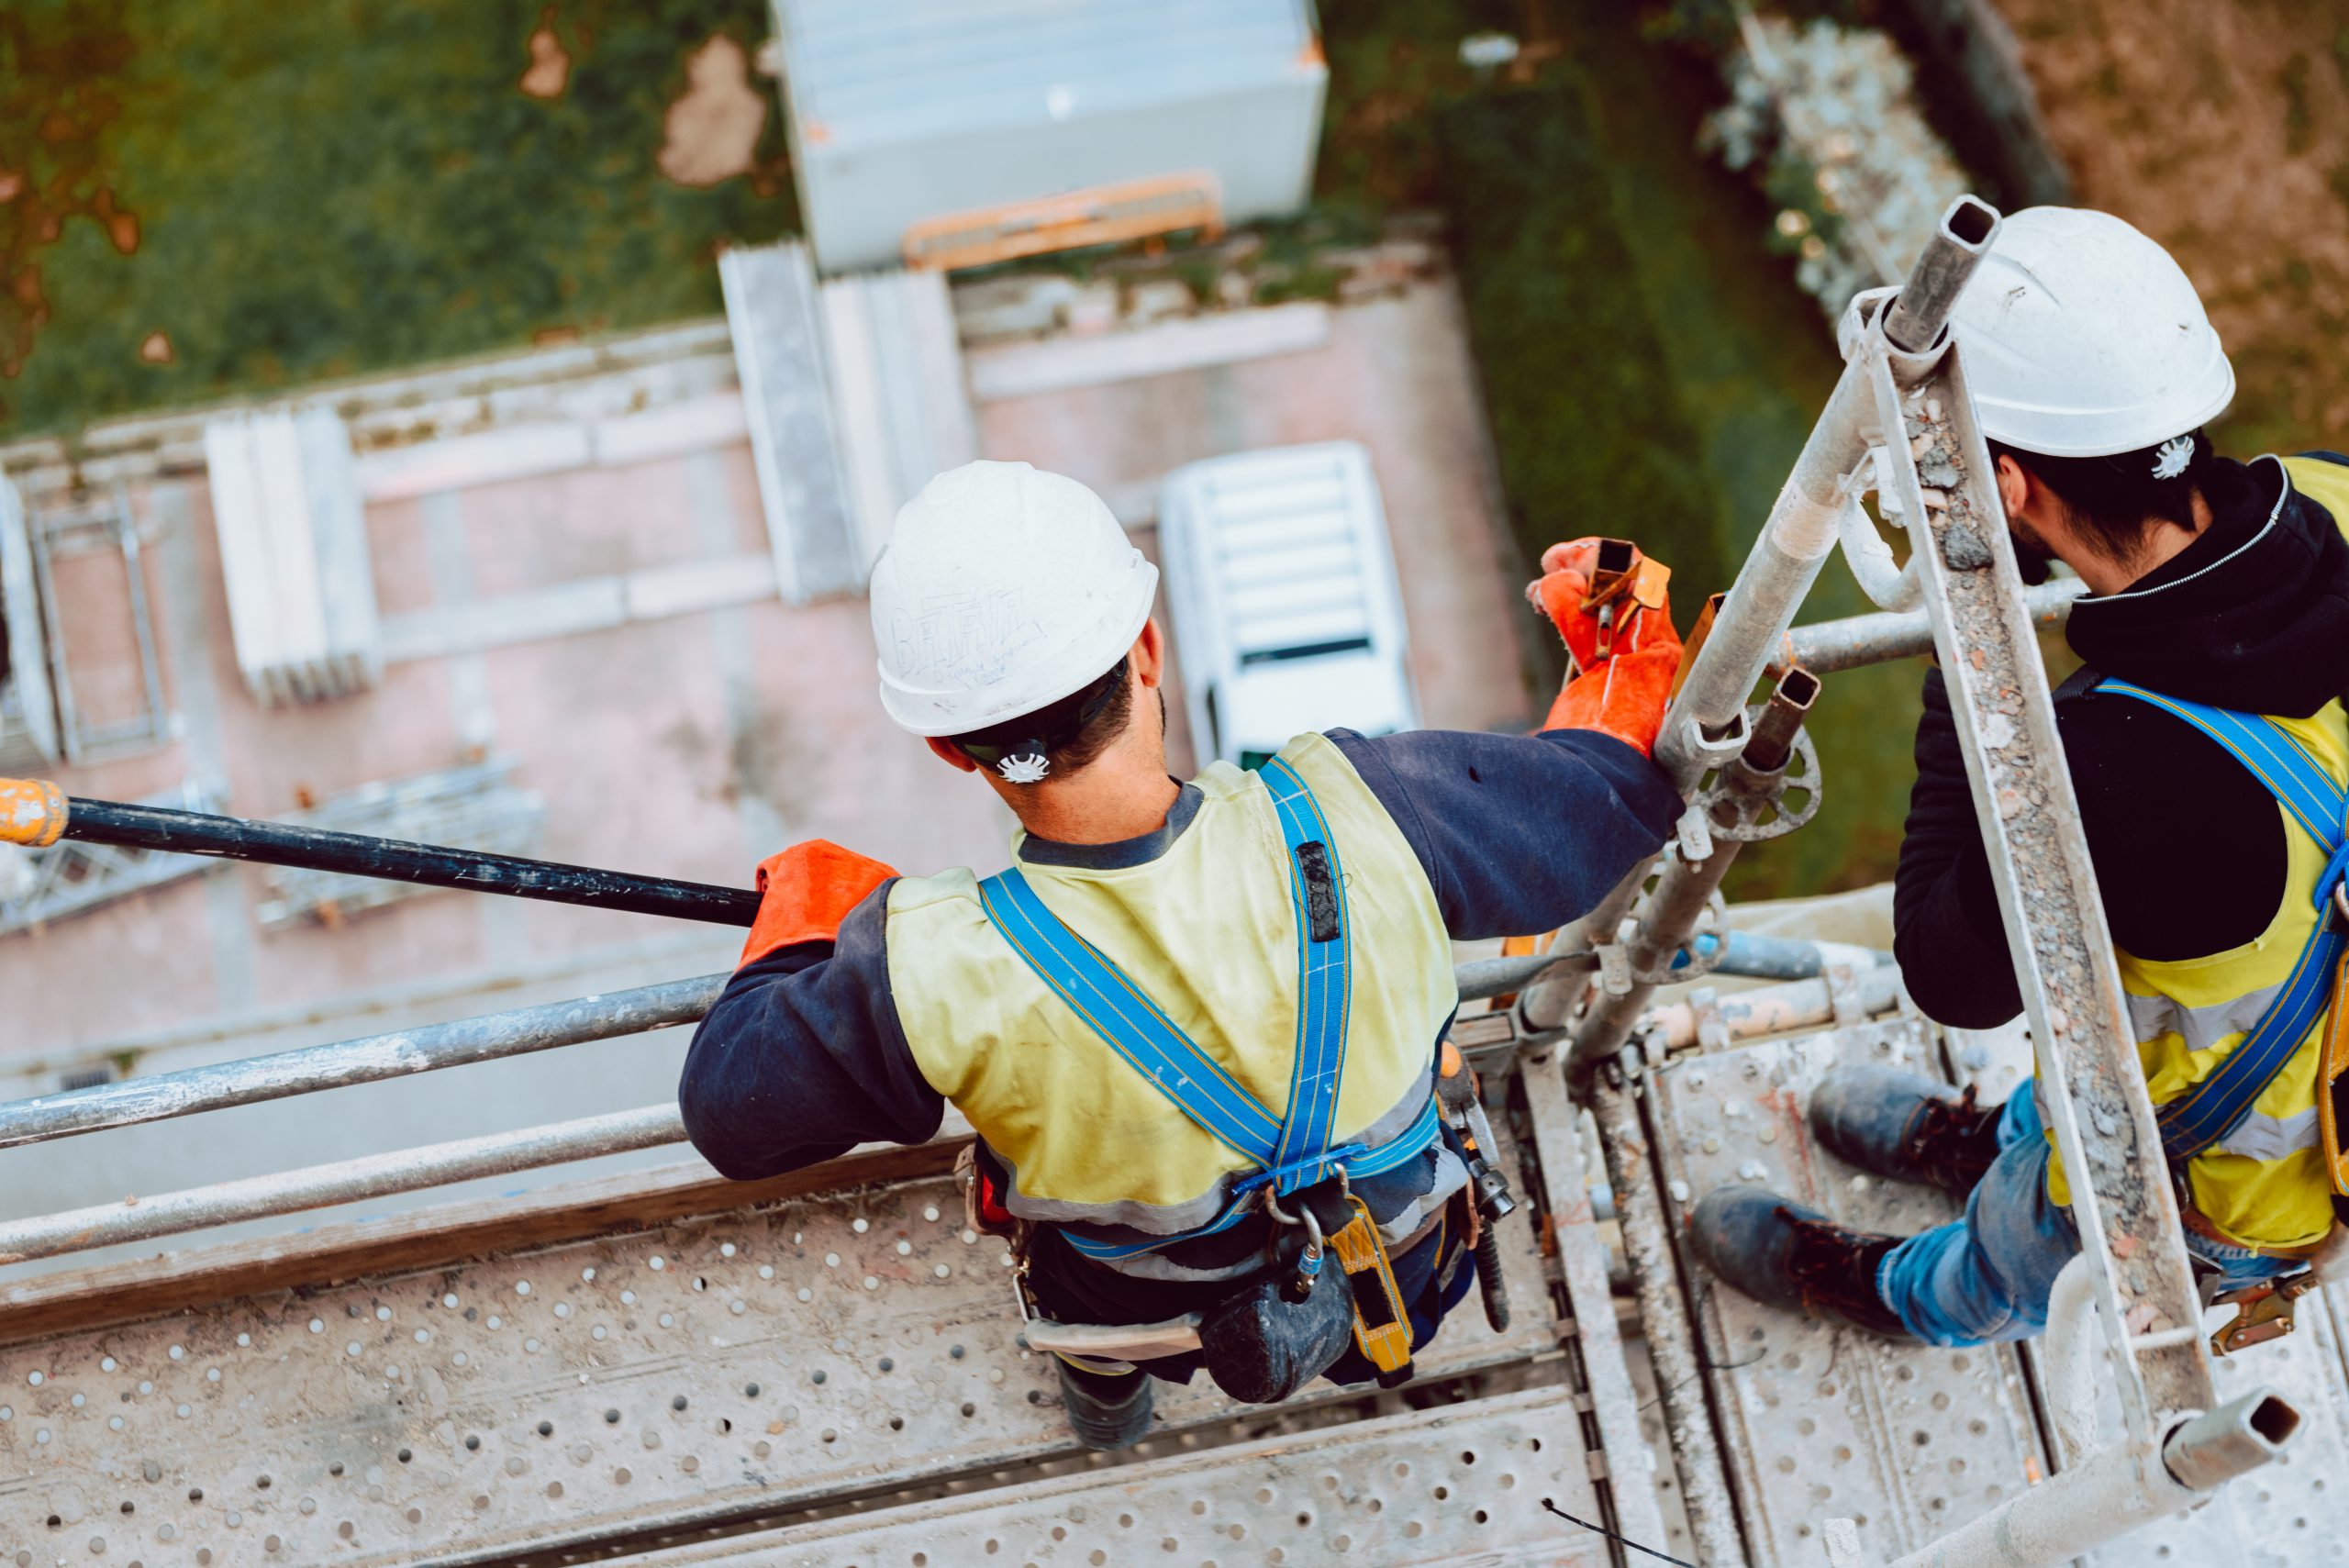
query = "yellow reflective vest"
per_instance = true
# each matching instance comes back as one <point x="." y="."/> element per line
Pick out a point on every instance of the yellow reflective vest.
<point x="1208" y="931"/>
<point x="2263" y="1185"/>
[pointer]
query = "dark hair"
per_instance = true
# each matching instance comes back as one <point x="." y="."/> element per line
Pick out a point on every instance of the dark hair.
<point x="2112" y="499"/>
<point x="1073" y="731"/>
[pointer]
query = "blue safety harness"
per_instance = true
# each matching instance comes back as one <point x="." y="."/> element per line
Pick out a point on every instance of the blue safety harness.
<point x="2217" y="1105"/>
<point x="1290" y="1153"/>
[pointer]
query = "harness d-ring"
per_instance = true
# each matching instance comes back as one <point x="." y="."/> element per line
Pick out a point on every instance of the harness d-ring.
<point x="1299" y="1284"/>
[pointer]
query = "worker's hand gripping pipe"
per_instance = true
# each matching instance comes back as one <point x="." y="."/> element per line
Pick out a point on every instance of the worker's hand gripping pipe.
<point x="1745" y="803"/>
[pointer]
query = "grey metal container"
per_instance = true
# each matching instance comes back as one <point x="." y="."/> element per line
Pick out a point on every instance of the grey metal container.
<point x="903" y="110"/>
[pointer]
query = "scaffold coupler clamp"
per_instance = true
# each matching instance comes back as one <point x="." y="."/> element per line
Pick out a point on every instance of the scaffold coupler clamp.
<point x="2262" y="1311"/>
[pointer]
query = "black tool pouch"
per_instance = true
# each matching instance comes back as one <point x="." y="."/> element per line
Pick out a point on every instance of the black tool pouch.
<point x="1261" y="1347"/>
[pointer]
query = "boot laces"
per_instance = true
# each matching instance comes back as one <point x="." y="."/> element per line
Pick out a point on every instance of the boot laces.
<point x="1943" y="1135"/>
<point x="1829" y="1265"/>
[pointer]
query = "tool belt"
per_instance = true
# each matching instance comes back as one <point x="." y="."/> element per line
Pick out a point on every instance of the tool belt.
<point x="1288" y="1324"/>
<point x="1277" y="1332"/>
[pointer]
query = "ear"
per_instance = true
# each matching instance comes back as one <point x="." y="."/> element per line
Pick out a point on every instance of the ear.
<point x="1147" y="655"/>
<point x="951" y="754"/>
<point x="2014" y="486"/>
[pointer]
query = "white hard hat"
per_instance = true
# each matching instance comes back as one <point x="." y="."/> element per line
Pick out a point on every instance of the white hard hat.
<point x="1002" y="590"/>
<point x="2083" y="338"/>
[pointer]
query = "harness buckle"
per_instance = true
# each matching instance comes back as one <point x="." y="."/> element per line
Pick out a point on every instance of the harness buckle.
<point x="2263" y="1312"/>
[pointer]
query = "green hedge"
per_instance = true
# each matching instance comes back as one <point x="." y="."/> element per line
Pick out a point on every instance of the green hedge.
<point x="1588" y="425"/>
<point x="1651" y="372"/>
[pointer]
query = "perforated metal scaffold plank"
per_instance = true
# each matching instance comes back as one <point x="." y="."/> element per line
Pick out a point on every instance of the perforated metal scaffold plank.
<point x="1461" y="1486"/>
<point x="693" y="1373"/>
<point x="1818" y="1422"/>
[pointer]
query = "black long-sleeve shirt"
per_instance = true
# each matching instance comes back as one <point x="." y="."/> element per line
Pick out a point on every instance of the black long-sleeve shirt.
<point x="2189" y="851"/>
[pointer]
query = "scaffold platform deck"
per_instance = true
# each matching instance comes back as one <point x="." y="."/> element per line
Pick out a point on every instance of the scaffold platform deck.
<point x="729" y="1370"/>
<point x="1820" y="1423"/>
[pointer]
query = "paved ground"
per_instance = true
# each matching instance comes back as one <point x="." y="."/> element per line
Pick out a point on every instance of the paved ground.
<point x="1395" y="376"/>
<point x="687" y="747"/>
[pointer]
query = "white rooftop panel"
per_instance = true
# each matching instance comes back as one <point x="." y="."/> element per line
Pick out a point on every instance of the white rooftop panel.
<point x="870" y="72"/>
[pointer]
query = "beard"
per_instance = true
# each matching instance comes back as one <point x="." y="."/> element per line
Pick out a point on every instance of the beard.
<point x="2032" y="554"/>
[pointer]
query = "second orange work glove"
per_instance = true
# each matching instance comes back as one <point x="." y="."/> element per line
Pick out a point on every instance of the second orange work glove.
<point x="1628" y="659"/>
<point x="805" y="892"/>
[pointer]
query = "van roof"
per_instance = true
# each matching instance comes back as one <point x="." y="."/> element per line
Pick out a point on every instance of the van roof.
<point x="1287" y="536"/>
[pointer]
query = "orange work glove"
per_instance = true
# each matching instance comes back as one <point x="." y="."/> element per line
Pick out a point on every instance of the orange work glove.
<point x="1627" y="649"/>
<point x="805" y="892"/>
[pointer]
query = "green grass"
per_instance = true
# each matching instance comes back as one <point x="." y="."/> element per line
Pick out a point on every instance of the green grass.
<point x="329" y="188"/>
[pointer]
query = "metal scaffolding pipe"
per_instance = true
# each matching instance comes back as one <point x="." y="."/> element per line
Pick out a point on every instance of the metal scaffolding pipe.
<point x="1706" y="721"/>
<point x="1664" y="1322"/>
<point x="1825" y="647"/>
<point x="493" y="1036"/>
<point x="1686" y="889"/>
<point x="35" y="813"/>
<point x="2119" y="1489"/>
<point x="1775" y="1009"/>
<point x="1802" y="528"/>
<point x="1745" y="955"/>
<point x="1930" y="293"/>
<point x="2072" y="1359"/>
<point x="349" y="1180"/>
<point x="346" y="1062"/>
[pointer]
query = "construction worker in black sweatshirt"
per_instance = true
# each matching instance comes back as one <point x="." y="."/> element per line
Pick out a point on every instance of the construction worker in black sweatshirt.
<point x="2208" y="747"/>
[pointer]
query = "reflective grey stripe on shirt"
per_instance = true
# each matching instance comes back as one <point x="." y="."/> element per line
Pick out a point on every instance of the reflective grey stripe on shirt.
<point x="2264" y="1137"/>
<point x="2201" y="1027"/>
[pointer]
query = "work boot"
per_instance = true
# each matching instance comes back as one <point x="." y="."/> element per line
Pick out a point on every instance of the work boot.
<point x="1106" y="1409"/>
<point x="1779" y="1252"/>
<point x="1905" y="1126"/>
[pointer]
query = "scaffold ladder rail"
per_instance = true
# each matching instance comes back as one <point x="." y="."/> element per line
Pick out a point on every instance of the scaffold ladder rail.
<point x="2093" y="1089"/>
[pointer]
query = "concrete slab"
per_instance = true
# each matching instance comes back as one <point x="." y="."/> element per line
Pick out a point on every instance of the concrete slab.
<point x="688" y="746"/>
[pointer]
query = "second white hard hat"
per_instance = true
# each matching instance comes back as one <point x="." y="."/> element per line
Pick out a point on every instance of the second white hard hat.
<point x="1002" y="590"/>
<point x="2083" y="338"/>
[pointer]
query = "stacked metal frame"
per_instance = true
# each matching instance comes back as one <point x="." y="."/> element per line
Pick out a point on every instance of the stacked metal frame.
<point x="293" y="533"/>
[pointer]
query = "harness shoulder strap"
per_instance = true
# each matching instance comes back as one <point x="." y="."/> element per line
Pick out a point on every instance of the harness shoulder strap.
<point x="2320" y="807"/>
<point x="1289" y="1153"/>
<point x="1128" y="1021"/>
<point x="1325" y="992"/>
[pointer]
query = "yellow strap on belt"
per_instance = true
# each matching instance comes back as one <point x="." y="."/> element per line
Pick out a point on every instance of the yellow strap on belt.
<point x="1381" y="1327"/>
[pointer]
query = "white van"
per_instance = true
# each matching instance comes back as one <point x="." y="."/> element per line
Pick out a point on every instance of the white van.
<point x="1281" y="581"/>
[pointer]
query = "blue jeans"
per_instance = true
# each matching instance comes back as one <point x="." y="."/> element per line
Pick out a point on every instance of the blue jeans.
<point x="1988" y="1275"/>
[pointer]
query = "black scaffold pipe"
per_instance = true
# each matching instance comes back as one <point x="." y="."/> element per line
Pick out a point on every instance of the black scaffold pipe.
<point x="36" y="813"/>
